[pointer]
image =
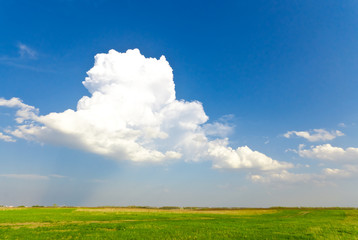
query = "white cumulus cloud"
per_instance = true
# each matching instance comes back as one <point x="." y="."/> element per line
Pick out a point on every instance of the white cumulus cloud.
<point x="6" y="138"/>
<point x="335" y="172"/>
<point x="329" y="152"/>
<point x="242" y="157"/>
<point x="25" y="111"/>
<point x="315" y="135"/>
<point x="133" y="114"/>
<point x="282" y="176"/>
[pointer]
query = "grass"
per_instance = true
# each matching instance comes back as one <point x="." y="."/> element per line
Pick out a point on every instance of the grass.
<point x="174" y="223"/>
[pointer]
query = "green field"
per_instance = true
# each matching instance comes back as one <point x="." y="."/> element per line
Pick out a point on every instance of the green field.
<point x="142" y="223"/>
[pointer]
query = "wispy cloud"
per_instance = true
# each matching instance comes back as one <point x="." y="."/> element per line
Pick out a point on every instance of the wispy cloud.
<point x="26" y="52"/>
<point x="31" y="176"/>
<point x="98" y="180"/>
<point x="57" y="176"/>
<point x="25" y="176"/>
<point x="23" y="59"/>
<point x="315" y="134"/>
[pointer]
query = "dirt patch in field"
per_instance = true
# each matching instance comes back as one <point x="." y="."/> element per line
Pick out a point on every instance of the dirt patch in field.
<point x="25" y="224"/>
<point x="235" y="212"/>
<point x="10" y="208"/>
<point x="304" y="213"/>
<point x="63" y="223"/>
<point x="50" y="224"/>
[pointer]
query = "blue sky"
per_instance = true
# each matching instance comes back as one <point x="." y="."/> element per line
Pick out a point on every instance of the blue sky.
<point x="276" y="76"/>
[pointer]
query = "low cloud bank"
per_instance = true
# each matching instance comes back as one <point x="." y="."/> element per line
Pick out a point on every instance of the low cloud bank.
<point x="326" y="175"/>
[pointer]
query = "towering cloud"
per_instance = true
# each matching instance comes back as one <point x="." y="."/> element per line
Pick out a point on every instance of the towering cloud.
<point x="133" y="114"/>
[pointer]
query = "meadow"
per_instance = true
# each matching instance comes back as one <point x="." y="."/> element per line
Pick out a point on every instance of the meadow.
<point x="193" y="223"/>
